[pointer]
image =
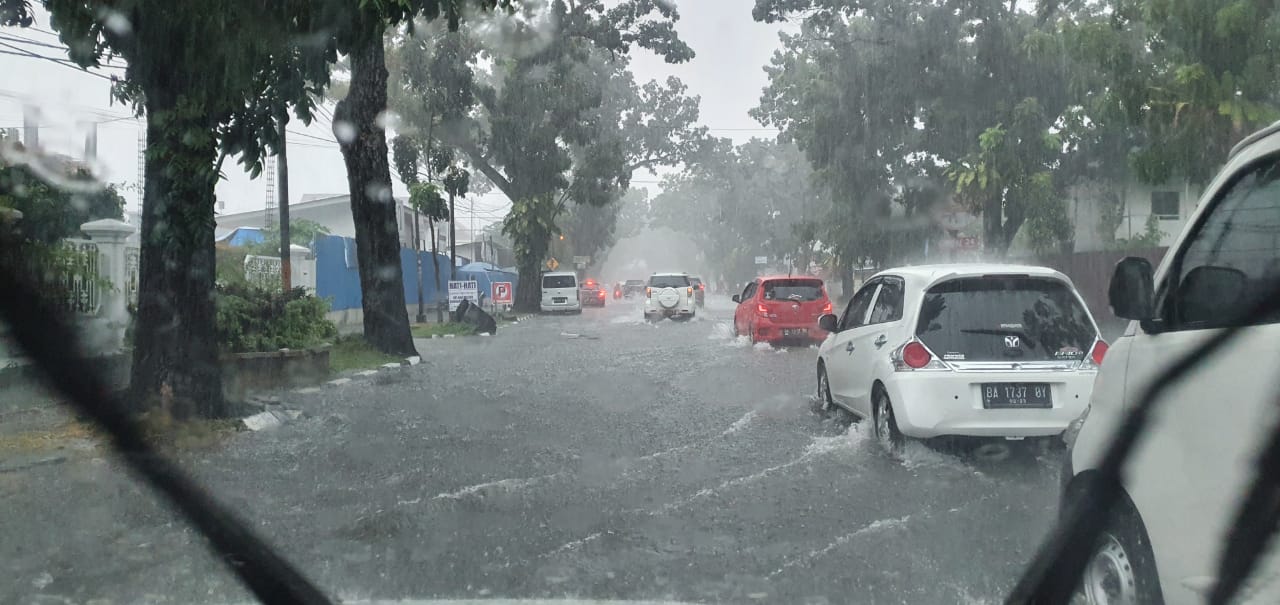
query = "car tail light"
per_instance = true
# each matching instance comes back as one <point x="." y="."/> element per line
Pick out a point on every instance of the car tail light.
<point x="690" y="290"/>
<point x="602" y="294"/>
<point x="648" y="292"/>
<point x="761" y="309"/>
<point x="826" y="308"/>
<point x="1094" y="360"/>
<point x="915" y="356"/>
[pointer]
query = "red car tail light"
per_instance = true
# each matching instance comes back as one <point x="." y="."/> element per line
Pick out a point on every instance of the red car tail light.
<point x="1099" y="351"/>
<point x="915" y="355"/>
<point x="761" y="309"/>
<point x="827" y="308"/>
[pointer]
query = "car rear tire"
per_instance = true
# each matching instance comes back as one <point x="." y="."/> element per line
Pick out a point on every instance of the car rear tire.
<point x="1122" y="566"/>
<point x="886" y="424"/>
<point x="824" y="390"/>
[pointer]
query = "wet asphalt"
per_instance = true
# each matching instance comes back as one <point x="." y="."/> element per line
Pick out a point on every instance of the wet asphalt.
<point x="594" y="456"/>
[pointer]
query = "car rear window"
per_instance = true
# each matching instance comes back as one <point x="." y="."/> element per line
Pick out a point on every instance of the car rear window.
<point x="1003" y="319"/>
<point x="668" y="281"/>
<point x="559" y="281"/>
<point x="695" y="280"/>
<point x="793" y="289"/>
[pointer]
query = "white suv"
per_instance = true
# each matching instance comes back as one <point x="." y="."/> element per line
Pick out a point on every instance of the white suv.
<point x="994" y="351"/>
<point x="1185" y="478"/>
<point x="669" y="295"/>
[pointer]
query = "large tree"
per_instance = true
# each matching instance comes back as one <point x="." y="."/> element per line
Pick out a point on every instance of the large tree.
<point x="558" y="120"/>
<point x="198" y="76"/>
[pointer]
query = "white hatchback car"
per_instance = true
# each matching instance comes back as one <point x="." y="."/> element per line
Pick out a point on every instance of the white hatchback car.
<point x="1186" y="476"/>
<point x="669" y="295"/>
<point x="997" y="351"/>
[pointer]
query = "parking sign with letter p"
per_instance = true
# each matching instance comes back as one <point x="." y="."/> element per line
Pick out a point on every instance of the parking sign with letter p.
<point x="502" y="292"/>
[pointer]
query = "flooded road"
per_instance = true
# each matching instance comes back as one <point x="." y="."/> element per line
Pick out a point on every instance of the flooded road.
<point x="593" y="456"/>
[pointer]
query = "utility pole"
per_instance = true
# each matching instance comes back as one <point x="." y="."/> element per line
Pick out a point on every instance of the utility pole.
<point x="453" y="239"/>
<point x="417" y="257"/>
<point x="282" y="175"/>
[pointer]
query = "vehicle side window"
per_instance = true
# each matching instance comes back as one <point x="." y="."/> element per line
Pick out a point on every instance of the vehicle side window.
<point x="888" y="305"/>
<point x="1233" y="258"/>
<point x="857" y="309"/>
<point x="749" y="292"/>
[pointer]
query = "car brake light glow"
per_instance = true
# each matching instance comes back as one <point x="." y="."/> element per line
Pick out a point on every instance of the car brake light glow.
<point x="1099" y="351"/>
<point x="761" y="309"/>
<point x="915" y="355"/>
<point x="826" y="308"/>
<point x="648" y="292"/>
<point x="690" y="290"/>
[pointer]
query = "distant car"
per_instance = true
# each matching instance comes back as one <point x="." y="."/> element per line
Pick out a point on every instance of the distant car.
<point x="633" y="287"/>
<point x="699" y="290"/>
<point x="593" y="293"/>
<point x="781" y="309"/>
<point x="669" y="295"/>
<point x="560" y="292"/>
<point x="976" y="350"/>
<point x="617" y="290"/>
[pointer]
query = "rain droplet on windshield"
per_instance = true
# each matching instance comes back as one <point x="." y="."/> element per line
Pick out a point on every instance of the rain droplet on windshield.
<point x="345" y="131"/>
<point x="117" y="23"/>
<point x="388" y="120"/>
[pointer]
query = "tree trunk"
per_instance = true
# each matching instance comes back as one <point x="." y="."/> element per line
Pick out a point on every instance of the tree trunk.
<point x="386" y="318"/>
<point x="529" y="294"/>
<point x="175" y="359"/>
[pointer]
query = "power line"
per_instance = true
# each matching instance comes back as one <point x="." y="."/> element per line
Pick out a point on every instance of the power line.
<point x="62" y="62"/>
<point x="312" y="136"/>
<point x="17" y="38"/>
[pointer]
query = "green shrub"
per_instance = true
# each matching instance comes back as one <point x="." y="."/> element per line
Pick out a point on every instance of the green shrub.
<point x="252" y="319"/>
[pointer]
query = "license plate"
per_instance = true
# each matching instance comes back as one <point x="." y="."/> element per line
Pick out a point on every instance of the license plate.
<point x="796" y="332"/>
<point x="1005" y="395"/>
<point x="559" y="300"/>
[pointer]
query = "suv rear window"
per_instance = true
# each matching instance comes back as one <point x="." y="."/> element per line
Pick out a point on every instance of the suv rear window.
<point x="1004" y="319"/>
<point x="792" y="289"/>
<point x="668" y="281"/>
<point x="559" y="281"/>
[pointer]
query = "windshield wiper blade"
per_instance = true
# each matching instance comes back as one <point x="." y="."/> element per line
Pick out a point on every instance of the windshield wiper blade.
<point x="1058" y="565"/>
<point x="1254" y="525"/>
<point x="48" y="338"/>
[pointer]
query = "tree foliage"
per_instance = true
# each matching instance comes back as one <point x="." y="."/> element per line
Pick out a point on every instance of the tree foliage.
<point x="553" y="117"/>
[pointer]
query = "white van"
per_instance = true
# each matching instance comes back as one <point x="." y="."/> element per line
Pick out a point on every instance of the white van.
<point x="560" y="292"/>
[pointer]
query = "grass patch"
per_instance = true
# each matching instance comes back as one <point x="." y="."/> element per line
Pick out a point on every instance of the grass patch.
<point x="353" y="353"/>
<point x="162" y="431"/>
<point x="441" y="329"/>
<point x="47" y="440"/>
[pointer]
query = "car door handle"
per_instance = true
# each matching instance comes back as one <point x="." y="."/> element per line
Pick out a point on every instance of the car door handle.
<point x="880" y="341"/>
<point x="848" y="347"/>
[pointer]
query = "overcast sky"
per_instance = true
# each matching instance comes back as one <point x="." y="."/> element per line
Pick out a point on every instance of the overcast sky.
<point x="727" y="74"/>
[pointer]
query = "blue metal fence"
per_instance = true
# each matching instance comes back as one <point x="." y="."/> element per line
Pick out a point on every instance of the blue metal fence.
<point x="338" y="274"/>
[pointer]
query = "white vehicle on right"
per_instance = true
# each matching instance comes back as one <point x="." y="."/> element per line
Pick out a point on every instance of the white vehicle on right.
<point x="971" y="350"/>
<point x="1185" y="479"/>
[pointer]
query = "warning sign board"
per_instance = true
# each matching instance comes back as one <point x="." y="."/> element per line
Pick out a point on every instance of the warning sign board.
<point x="553" y="264"/>
<point x="502" y="293"/>
<point x="463" y="290"/>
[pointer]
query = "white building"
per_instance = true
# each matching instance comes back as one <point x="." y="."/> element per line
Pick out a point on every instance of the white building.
<point x="1170" y="203"/>
<point x="333" y="211"/>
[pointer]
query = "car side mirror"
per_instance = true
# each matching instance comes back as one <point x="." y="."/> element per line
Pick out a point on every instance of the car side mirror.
<point x="827" y="322"/>
<point x="1130" y="292"/>
<point x="737" y="298"/>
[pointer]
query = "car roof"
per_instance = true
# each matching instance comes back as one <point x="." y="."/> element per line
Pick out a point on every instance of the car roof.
<point x="765" y="278"/>
<point x="560" y="273"/>
<point x="666" y="274"/>
<point x="930" y="274"/>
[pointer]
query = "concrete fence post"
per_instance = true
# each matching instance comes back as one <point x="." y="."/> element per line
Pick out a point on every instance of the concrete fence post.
<point x="110" y="236"/>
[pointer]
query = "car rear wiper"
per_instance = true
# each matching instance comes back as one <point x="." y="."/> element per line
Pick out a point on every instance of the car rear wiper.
<point x="1058" y="565"/>
<point x="48" y="338"/>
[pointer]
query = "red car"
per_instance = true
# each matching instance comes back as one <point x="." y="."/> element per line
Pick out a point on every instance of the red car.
<point x="593" y="293"/>
<point x="778" y="309"/>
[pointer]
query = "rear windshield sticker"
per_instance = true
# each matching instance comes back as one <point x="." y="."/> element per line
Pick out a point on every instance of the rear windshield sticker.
<point x="953" y="356"/>
<point x="1069" y="352"/>
<point x="1011" y="326"/>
